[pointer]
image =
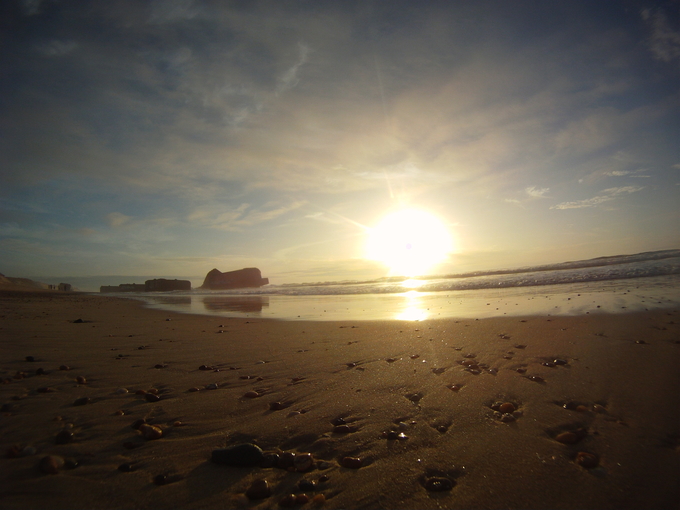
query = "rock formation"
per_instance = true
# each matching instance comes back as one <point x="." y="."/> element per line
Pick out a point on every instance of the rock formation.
<point x="242" y="278"/>
<point x="163" y="285"/>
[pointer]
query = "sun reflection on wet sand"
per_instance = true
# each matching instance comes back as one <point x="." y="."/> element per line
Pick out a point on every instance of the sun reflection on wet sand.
<point x="412" y="307"/>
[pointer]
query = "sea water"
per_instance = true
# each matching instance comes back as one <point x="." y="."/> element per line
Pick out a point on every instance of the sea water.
<point x="626" y="283"/>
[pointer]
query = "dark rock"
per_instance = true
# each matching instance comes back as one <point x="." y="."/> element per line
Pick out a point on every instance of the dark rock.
<point x="30" y="358"/>
<point x="587" y="460"/>
<point x="150" y="397"/>
<point x="82" y="401"/>
<point x="259" y="489"/>
<point x="242" y="278"/>
<point x="286" y="460"/>
<point x="71" y="463"/>
<point x="438" y="484"/>
<point x="269" y="460"/>
<point x="306" y="485"/>
<point x="126" y="467"/>
<point x="64" y="437"/>
<point x="351" y="462"/>
<point x="242" y="455"/>
<point x="51" y="464"/>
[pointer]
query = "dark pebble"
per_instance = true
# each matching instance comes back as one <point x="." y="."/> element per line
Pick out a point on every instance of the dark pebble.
<point x="338" y="421"/>
<point x="71" y="463"/>
<point x="30" y="358"/>
<point x="306" y="485"/>
<point x="81" y="401"/>
<point x="126" y="467"/>
<point x="343" y="429"/>
<point x="160" y="365"/>
<point x="587" y="460"/>
<point x="259" y="489"/>
<point x="160" y="479"/>
<point x="536" y="378"/>
<point x="269" y="460"/>
<point x="560" y="361"/>
<point x="150" y="397"/>
<point x="438" y="484"/>
<point x="288" y="501"/>
<point x="242" y="455"/>
<point x="276" y="406"/>
<point x="351" y="462"/>
<point x="40" y="371"/>
<point x="138" y="423"/>
<point x="286" y="460"/>
<point x="63" y="437"/>
<point x="51" y="464"/>
<point x="324" y="478"/>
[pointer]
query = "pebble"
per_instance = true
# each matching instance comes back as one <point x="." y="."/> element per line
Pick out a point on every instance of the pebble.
<point x="558" y="361"/>
<point x="288" y="501"/>
<point x="455" y="387"/>
<point x="30" y="358"/>
<point x="71" y="463"/>
<point x="126" y="467"/>
<point x="587" y="460"/>
<point x="303" y="462"/>
<point x="242" y="455"/>
<point x="138" y="423"/>
<point x="506" y="407"/>
<point x="40" y="371"/>
<point x="64" y="437"/>
<point x="51" y="464"/>
<point x="319" y="499"/>
<point x="46" y="389"/>
<point x="521" y="370"/>
<point x="150" y="397"/>
<point x="211" y="386"/>
<point x="536" y="378"/>
<point x="507" y="418"/>
<point x="571" y="436"/>
<point x="81" y="379"/>
<point x="438" y="484"/>
<point x="28" y="451"/>
<point x="64" y="367"/>
<point x="259" y="489"/>
<point x="301" y="499"/>
<point x="351" y="462"/>
<point x="122" y="391"/>
<point x="81" y="401"/>
<point x="151" y="432"/>
<point x="194" y="389"/>
<point x="251" y="394"/>
<point x="269" y="460"/>
<point x="276" y="406"/>
<point x="306" y="485"/>
<point x="286" y="460"/>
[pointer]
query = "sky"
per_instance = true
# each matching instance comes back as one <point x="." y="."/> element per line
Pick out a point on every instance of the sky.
<point x="171" y="137"/>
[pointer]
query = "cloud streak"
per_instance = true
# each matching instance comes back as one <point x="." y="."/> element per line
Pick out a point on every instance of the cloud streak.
<point x="606" y="195"/>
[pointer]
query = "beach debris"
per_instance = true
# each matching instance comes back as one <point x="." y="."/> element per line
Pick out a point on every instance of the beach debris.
<point x="303" y="462"/>
<point x="438" y="484"/>
<point x="150" y="432"/>
<point x="259" y="489"/>
<point x="351" y="462"/>
<point x="51" y="464"/>
<point x="587" y="460"/>
<point x="82" y="401"/>
<point x="63" y="437"/>
<point x="241" y="455"/>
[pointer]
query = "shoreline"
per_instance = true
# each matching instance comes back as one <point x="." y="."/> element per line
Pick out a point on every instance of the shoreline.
<point x="365" y="372"/>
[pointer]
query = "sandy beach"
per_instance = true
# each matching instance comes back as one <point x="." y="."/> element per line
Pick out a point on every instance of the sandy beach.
<point x="514" y="412"/>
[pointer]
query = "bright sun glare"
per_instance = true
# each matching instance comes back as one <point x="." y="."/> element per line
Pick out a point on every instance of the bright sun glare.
<point x="410" y="242"/>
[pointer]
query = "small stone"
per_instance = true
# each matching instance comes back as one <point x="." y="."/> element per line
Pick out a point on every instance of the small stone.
<point x="276" y="406"/>
<point x="81" y="379"/>
<point x="178" y="423"/>
<point x="46" y="389"/>
<point x="303" y="462"/>
<point x="119" y="412"/>
<point x="151" y="432"/>
<point x="81" y="401"/>
<point x="122" y="391"/>
<point x="150" y="397"/>
<point x="286" y="460"/>
<point x="306" y="485"/>
<point x="548" y="364"/>
<point x="558" y="361"/>
<point x="455" y="387"/>
<point x="28" y="451"/>
<point x="319" y="500"/>
<point x="138" y="423"/>
<point x="126" y="467"/>
<point x="506" y="407"/>
<point x="581" y="409"/>
<point x="351" y="462"/>
<point x="160" y="479"/>
<point x="343" y="429"/>
<point x="338" y="421"/>
<point x="71" y="463"/>
<point x="521" y="370"/>
<point x="194" y="389"/>
<point x="566" y="437"/>
<point x="51" y="464"/>
<point x="160" y="365"/>
<point x="40" y="371"/>
<point x="536" y="378"/>
<point x="212" y="386"/>
<point x="301" y="499"/>
<point x="520" y="346"/>
<point x="64" y="367"/>
<point x="259" y="489"/>
<point x="507" y="418"/>
<point x="438" y="484"/>
<point x="64" y="437"/>
<point x="587" y="460"/>
<point x="251" y="394"/>
<point x="153" y="391"/>
<point x="140" y="392"/>
<point x="269" y="460"/>
<point x="242" y="455"/>
<point x="30" y="358"/>
<point x="287" y="501"/>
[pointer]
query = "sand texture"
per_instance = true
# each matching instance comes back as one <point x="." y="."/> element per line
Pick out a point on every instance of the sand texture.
<point x="337" y="390"/>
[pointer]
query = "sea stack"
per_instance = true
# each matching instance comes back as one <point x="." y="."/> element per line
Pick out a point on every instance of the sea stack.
<point x="241" y="278"/>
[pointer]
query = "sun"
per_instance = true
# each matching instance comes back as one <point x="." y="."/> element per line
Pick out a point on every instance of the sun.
<point x="410" y="242"/>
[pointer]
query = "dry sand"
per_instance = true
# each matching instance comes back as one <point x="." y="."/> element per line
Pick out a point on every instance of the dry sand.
<point x="365" y="372"/>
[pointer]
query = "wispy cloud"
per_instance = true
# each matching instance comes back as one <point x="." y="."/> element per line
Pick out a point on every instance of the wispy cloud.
<point x="245" y="215"/>
<point x="290" y="78"/>
<point x="56" y="48"/>
<point x="665" y="39"/>
<point x="605" y="196"/>
<point x="116" y="219"/>
<point x="641" y="173"/>
<point x="536" y="192"/>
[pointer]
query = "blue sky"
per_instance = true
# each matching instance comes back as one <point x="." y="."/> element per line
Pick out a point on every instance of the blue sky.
<point x="171" y="137"/>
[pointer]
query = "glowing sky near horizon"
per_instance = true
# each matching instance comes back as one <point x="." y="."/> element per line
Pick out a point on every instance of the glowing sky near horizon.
<point x="171" y="137"/>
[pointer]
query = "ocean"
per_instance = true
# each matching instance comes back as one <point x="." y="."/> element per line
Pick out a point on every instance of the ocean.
<point x="625" y="283"/>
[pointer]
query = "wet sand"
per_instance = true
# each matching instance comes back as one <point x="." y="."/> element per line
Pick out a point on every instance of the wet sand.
<point x="615" y="387"/>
